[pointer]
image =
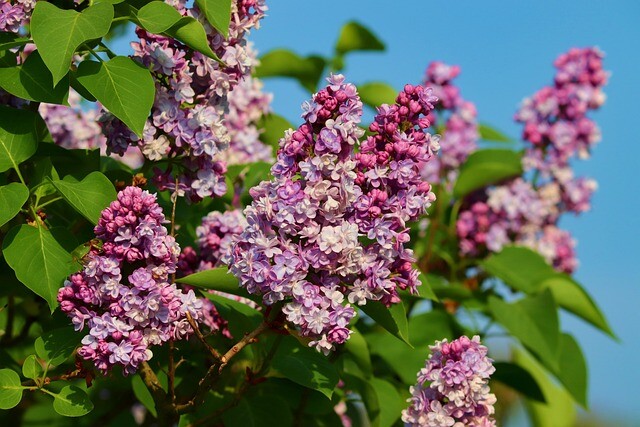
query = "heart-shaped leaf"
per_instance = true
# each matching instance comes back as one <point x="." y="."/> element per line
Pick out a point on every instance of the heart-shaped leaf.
<point x="157" y="17"/>
<point x="89" y="196"/>
<point x="12" y="197"/>
<point x="20" y="132"/>
<point x="218" y="13"/>
<point x="10" y="389"/>
<point x="72" y="401"/>
<point x="38" y="260"/>
<point x="32" y="80"/>
<point x="355" y="36"/>
<point x="58" y="33"/>
<point x="124" y="87"/>
<point x="31" y="368"/>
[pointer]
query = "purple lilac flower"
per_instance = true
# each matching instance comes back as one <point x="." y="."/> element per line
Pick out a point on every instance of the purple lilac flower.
<point x="192" y="91"/>
<point x="15" y="14"/>
<point x="453" y="387"/>
<point x="123" y="294"/>
<point x="329" y="230"/>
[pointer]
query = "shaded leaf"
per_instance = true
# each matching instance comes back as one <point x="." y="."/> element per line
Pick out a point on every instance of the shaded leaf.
<point x="273" y="127"/>
<point x="72" y="401"/>
<point x="392" y="403"/>
<point x="12" y="197"/>
<point x="218" y="13"/>
<point x="426" y="290"/>
<point x="58" y="33"/>
<point x="518" y="267"/>
<point x="259" y="411"/>
<point x="358" y="349"/>
<point x="57" y="345"/>
<point x="11" y="40"/>
<point x="143" y="395"/>
<point x="32" y="80"/>
<point x="20" y="132"/>
<point x="393" y="319"/>
<point x="485" y="167"/>
<point x="89" y="196"/>
<point x="518" y="379"/>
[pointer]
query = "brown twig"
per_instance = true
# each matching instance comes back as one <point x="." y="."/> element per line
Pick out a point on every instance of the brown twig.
<point x="214" y="353"/>
<point x="167" y="414"/>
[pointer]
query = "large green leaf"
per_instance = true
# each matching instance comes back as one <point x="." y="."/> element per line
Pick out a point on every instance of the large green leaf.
<point x="38" y="260"/>
<point x="573" y="369"/>
<point x="355" y="36"/>
<point x="358" y="350"/>
<point x="375" y="94"/>
<point x="20" y="132"/>
<point x="534" y="321"/>
<point x="393" y="319"/>
<point x="32" y="80"/>
<point x="89" y="196"/>
<point x="124" y="87"/>
<point x="284" y="63"/>
<point x="58" y="33"/>
<point x="485" y="167"/>
<point x="391" y="403"/>
<point x="519" y="379"/>
<point x="10" y="389"/>
<point x="162" y="18"/>
<point x="218" y="13"/>
<point x="518" y="267"/>
<point x="559" y="410"/>
<point x="305" y="366"/>
<point x="55" y="346"/>
<point x="72" y="401"/>
<point x="12" y="197"/>
<point x="259" y="411"/>
<point x="426" y="290"/>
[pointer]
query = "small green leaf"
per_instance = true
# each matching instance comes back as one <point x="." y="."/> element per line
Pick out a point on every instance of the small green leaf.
<point x="10" y="389"/>
<point x="489" y="133"/>
<point x="89" y="196"/>
<point x="72" y="401"/>
<point x="39" y="261"/>
<point x="534" y="321"/>
<point x="31" y="368"/>
<point x="375" y="94"/>
<point x="241" y="317"/>
<point x="20" y="132"/>
<point x="519" y="267"/>
<point x="284" y="63"/>
<point x="305" y="366"/>
<point x="426" y="291"/>
<point x="11" y="40"/>
<point x="355" y="36"/>
<point x="259" y="411"/>
<point x="157" y="17"/>
<point x="273" y="127"/>
<point x="124" y="87"/>
<point x="57" y="345"/>
<point x="393" y="319"/>
<point x="518" y="379"/>
<point x="12" y="197"/>
<point x="32" y="80"/>
<point x="218" y="13"/>
<point x="392" y="403"/>
<point x="486" y="167"/>
<point x="573" y="369"/>
<point x="217" y="278"/>
<point x="58" y="33"/>
<point x="143" y="395"/>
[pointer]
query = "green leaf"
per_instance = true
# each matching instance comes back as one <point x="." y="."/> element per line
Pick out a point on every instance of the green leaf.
<point x="124" y="87"/>
<point x="486" y="167"/>
<point x="11" y="40"/>
<point x="284" y="63"/>
<point x="39" y="261"/>
<point x="157" y="17"/>
<point x="355" y="36"/>
<point x="32" y="80"/>
<point x="58" y="33"/>
<point x="573" y="369"/>
<point x="358" y="349"/>
<point x="72" y="401"/>
<point x="559" y="410"/>
<point x="241" y="317"/>
<point x="391" y="403"/>
<point x="519" y="267"/>
<point x="518" y="379"/>
<point x="375" y="94"/>
<point x="393" y="319"/>
<point x="489" y="133"/>
<point x="305" y="366"/>
<point x="217" y="278"/>
<point x="143" y="395"/>
<point x="10" y="389"/>
<point x="572" y="297"/>
<point x="12" y="197"/>
<point x="218" y="13"/>
<point x="57" y="345"/>
<point x="426" y="290"/>
<point x="89" y="196"/>
<point x="273" y="127"/>
<point x="534" y="321"/>
<point x="20" y="132"/>
<point x="31" y="368"/>
<point x="259" y="411"/>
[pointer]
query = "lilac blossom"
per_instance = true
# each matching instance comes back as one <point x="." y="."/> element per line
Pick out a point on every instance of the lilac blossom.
<point x="329" y="230"/>
<point x="15" y="14"/>
<point x="453" y="387"/>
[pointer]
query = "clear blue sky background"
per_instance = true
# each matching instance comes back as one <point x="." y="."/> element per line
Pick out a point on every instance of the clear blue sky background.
<point x="506" y="53"/>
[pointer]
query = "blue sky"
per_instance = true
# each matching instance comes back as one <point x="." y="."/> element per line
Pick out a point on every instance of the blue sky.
<point x="506" y="53"/>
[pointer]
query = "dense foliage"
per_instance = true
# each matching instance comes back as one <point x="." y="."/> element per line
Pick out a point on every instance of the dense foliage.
<point x="175" y="253"/>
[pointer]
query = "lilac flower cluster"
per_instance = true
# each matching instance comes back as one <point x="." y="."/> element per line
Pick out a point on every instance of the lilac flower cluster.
<point x="15" y="14"/>
<point x="186" y="120"/>
<point x="126" y="318"/>
<point x="452" y="388"/>
<point x="329" y="230"/>
<point x="455" y="118"/>
<point x="247" y="105"/>
<point x="556" y="129"/>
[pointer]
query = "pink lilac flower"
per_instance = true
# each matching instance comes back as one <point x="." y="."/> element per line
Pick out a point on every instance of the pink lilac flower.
<point x="123" y="295"/>
<point x="453" y="387"/>
<point x="192" y="91"/>
<point x="330" y="229"/>
<point x="15" y="14"/>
